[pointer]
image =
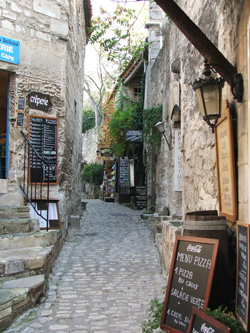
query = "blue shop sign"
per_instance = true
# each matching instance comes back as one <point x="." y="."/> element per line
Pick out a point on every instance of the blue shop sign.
<point x="9" y="50"/>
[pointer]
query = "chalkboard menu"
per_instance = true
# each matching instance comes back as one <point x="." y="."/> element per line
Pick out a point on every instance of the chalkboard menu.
<point x="190" y="280"/>
<point x="242" y="287"/>
<point x="20" y="119"/>
<point x="43" y="136"/>
<point x="200" y="322"/>
<point x="21" y="102"/>
<point x="141" y="196"/>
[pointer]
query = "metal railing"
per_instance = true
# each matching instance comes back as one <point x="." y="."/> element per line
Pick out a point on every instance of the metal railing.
<point x="2" y="155"/>
<point x="33" y="182"/>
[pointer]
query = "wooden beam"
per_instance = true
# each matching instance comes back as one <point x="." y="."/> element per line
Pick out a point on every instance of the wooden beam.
<point x="198" y="39"/>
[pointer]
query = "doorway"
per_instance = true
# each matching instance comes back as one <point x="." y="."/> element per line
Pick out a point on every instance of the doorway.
<point x="4" y="128"/>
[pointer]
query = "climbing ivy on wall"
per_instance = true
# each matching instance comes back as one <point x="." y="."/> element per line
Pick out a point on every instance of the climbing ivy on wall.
<point x="151" y="117"/>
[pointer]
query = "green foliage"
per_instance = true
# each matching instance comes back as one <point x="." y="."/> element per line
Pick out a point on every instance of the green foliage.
<point x="227" y="318"/>
<point x="93" y="173"/>
<point x="88" y="120"/>
<point x="151" y="117"/>
<point x="125" y="112"/>
<point x="113" y="32"/>
<point x="154" y="317"/>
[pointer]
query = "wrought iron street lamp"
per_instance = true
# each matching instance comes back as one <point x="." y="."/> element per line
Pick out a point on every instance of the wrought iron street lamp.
<point x="161" y="128"/>
<point x="208" y="91"/>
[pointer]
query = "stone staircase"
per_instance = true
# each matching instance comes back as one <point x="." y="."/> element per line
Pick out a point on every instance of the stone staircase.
<point x="26" y="257"/>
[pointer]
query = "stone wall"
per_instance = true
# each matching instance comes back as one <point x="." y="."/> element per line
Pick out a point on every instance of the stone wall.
<point x="52" y="40"/>
<point x="199" y="174"/>
<point x="89" y="146"/>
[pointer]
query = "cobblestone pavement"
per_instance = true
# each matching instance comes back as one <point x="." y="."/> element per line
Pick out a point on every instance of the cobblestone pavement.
<point x="104" y="277"/>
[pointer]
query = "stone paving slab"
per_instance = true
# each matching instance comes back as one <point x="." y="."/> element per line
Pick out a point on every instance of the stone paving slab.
<point x="104" y="278"/>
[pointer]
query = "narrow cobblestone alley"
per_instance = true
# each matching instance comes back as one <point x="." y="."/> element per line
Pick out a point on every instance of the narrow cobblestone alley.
<point x="104" y="277"/>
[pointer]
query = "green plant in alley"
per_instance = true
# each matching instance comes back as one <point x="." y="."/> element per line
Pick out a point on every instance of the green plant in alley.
<point x="154" y="317"/>
<point x="88" y="121"/>
<point x="227" y="318"/>
<point x="93" y="173"/>
<point x="122" y="120"/>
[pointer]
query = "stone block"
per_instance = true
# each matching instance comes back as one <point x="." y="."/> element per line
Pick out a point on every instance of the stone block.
<point x="5" y="313"/>
<point x="47" y="8"/>
<point x="14" y="266"/>
<point x="35" y="263"/>
<point x="28" y="282"/>
<point x="75" y="221"/>
<point x="59" y="27"/>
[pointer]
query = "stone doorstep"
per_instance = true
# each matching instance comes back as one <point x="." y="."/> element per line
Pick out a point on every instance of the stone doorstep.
<point x="21" y="261"/>
<point x="18" y="241"/>
<point x="16" y="296"/>
<point x="15" y="211"/>
<point x="14" y="225"/>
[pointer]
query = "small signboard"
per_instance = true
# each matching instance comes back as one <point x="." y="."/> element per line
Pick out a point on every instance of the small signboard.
<point x="21" y="102"/>
<point x="242" y="285"/>
<point x="9" y="50"/>
<point x="190" y="280"/>
<point x="134" y="136"/>
<point x="141" y="197"/>
<point x="224" y="143"/>
<point x="177" y="162"/>
<point x="20" y="119"/>
<point x="200" y="322"/>
<point x="39" y="101"/>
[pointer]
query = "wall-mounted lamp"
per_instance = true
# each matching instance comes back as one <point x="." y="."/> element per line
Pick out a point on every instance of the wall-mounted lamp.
<point x="208" y="91"/>
<point x="161" y="128"/>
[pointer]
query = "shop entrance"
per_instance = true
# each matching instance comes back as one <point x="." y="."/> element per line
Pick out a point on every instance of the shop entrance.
<point x="4" y="128"/>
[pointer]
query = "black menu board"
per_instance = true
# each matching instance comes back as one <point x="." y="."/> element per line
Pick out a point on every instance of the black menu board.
<point x="21" y="103"/>
<point x="190" y="280"/>
<point x="43" y="135"/>
<point x="20" y="119"/>
<point x="242" y="287"/>
<point x="200" y="322"/>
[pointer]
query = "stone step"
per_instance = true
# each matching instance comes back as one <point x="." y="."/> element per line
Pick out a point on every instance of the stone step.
<point x="24" y="262"/>
<point x="14" y="225"/>
<point x="14" y="211"/>
<point x="16" y="296"/>
<point x="36" y="239"/>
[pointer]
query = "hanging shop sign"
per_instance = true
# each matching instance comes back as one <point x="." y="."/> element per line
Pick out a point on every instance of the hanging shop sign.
<point x="9" y="50"/>
<point x="39" y="101"/>
<point x="106" y="152"/>
<point x="134" y="136"/>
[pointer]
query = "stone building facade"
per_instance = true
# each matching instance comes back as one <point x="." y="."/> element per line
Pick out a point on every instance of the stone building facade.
<point x="50" y="38"/>
<point x="169" y="80"/>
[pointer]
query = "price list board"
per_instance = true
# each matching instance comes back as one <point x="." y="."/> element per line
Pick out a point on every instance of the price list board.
<point x="43" y="135"/>
<point x="190" y="281"/>
<point x="242" y="286"/>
